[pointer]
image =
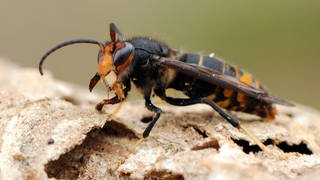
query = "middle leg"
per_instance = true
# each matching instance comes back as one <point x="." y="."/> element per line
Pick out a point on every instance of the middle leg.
<point x="186" y="102"/>
<point x="155" y="118"/>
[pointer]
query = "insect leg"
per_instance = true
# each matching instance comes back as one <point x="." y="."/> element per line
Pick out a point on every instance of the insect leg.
<point x="237" y="124"/>
<point x="230" y="119"/>
<point x="115" y="99"/>
<point x="186" y="102"/>
<point x="155" y="118"/>
<point x="233" y="121"/>
<point x="94" y="80"/>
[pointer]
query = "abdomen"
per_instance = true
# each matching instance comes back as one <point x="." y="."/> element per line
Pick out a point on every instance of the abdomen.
<point x="225" y="98"/>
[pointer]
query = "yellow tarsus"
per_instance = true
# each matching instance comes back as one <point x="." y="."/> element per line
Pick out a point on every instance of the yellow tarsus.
<point x="264" y="148"/>
<point x="134" y="147"/>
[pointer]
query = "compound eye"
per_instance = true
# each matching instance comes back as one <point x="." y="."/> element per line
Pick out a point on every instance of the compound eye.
<point x="122" y="54"/>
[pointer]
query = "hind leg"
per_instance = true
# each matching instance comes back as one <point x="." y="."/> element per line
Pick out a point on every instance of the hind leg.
<point x="233" y="121"/>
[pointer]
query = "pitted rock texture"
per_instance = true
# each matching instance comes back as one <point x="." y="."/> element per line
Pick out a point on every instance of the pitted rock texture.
<point x="49" y="129"/>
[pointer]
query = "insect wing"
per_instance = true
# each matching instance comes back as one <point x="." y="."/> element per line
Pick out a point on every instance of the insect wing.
<point x="219" y="79"/>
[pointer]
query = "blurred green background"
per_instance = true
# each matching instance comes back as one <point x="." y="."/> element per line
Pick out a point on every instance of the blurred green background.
<point x="277" y="41"/>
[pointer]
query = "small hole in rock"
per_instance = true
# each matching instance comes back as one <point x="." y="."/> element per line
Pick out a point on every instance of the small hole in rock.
<point x="299" y="148"/>
<point x="50" y="141"/>
<point x="246" y="147"/>
<point x="284" y="146"/>
<point x="203" y="133"/>
<point x="110" y="142"/>
<point x="82" y="160"/>
<point x="146" y="119"/>
<point x="268" y="142"/>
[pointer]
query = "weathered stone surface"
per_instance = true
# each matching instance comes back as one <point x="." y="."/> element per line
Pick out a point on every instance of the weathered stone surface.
<point x="49" y="129"/>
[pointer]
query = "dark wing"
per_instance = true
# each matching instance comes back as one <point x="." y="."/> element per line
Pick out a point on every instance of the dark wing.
<point x="219" y="79"/>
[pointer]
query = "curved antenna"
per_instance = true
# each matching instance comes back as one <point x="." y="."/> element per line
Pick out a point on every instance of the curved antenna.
<point x="66" y="43"/>
<point x="113" y="31"/>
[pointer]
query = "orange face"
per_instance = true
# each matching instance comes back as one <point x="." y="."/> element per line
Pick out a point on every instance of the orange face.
<point x="107" y="72"/>
<point x="112" y="62"/>
<point x="105" y="64"/>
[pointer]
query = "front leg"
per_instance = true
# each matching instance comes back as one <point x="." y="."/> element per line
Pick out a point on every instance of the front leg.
<point x="115" y="99"/>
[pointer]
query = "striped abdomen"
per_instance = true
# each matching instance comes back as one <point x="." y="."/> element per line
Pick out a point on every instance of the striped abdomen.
<point x="225" y="98"/>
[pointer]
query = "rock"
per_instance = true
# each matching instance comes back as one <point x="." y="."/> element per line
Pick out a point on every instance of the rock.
<point x="49" y="129"/>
